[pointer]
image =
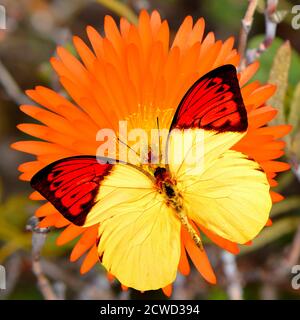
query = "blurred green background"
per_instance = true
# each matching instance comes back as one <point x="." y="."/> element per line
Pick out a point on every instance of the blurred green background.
<point x="34" y="29"/>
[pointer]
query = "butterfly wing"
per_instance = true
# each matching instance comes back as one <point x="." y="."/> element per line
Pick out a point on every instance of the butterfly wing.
<point x="139" y="236"/>
<point x="221" y="189"/>
<point x="214" y="102"/>
<point x="72" y="185"/>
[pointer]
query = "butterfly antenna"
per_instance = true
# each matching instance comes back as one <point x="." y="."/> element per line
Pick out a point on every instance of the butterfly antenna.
<point x="125" y="144"/>
<point x="159" y="144"/>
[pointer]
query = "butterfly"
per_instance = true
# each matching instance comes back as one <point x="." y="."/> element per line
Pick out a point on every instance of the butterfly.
<point x="141" y="209"/>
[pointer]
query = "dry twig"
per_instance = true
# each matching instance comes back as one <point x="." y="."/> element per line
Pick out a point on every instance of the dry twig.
<point x="234" y="285"/>
<point x="245" y="30"/>
<point x="38" y="241"/>
<point x="270" y="33"/>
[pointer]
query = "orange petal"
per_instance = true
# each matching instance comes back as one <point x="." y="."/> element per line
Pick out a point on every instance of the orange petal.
<point x="88" y="238"/>
<point x="272" y="182"/>
<point x="124" y="288"/>
<point x="168" y="290"/>
<point x="183" y="266"/>
<point x="27" y="176"/>
<point x="269" y="223"/>
<point x="163" y="36"/>
<point x="275" y="131"/>
<point x="31" y="166"/>
<point x="224" y="52"/>
<point x="35" y="195"/>
<point x="45" y="210"/>
<point x="260" y="95"/>
<point x="110" y="277"/>
<point x="261" y="116"/>
<point x="96" y="40"/>
<point x="61" y="222"/>
<point x="221" y="242"/>
<point x="90" y="260"/>
<point x="249" y="88"/>
<point x="155" y="21"/>
<point x="145" y="30"/>
<point x="124" y="27"/>
<point x="39" y="147"/>
<point x="248" y="73"/>
<point x="233" y="58"/>
<point x="197" y="33"/>
<point x="70" y="233"/>
<point x="275" y="166"/>
<point x="183" y="33"/>
<point x="113" y="35"/>
<point x="49" y="221"/>
<point x="276" y="197"/>
<point x="199" y="258"/>
<point x="85" y="53"/>
<point x="75" y="68"/>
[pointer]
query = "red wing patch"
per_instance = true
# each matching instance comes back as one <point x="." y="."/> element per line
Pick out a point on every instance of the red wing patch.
<point x="214" y="102"/>
<point x="71" y="185"/>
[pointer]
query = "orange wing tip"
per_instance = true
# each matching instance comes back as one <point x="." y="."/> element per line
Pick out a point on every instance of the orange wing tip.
<point x="248" y="243"/>
<point x="168" y="290"/>
<point x="269" y="223"/>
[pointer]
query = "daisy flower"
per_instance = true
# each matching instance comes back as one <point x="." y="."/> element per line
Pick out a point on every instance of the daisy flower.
<point x="136" y="73"/>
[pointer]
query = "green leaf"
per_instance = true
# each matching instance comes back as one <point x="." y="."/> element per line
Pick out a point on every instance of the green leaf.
<point x="279" y="76"/>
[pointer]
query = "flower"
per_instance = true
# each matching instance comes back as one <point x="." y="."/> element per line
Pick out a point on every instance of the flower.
<point x="131" y="73"/>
